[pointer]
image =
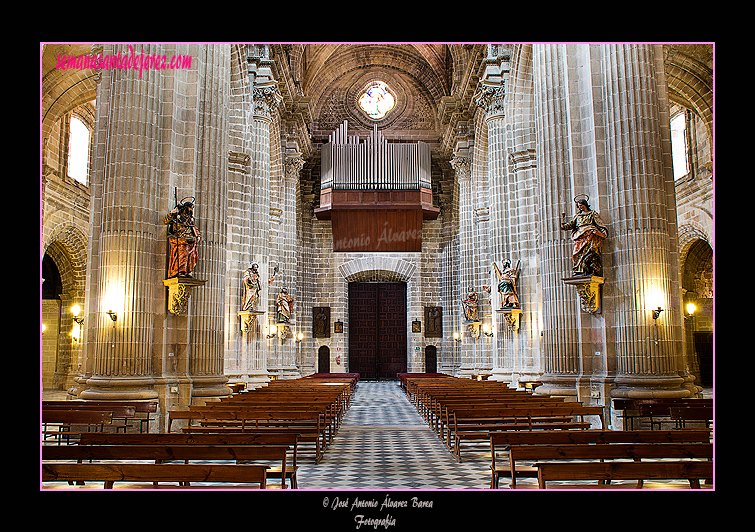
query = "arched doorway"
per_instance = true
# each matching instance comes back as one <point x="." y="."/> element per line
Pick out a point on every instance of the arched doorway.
<point x="323" y="359"/>
<point x="697" y="282"/>
<point x="431" y="359"/>
<point x="377" y="330"/>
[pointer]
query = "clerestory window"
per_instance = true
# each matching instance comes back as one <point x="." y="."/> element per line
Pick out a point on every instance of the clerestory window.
<point x="78" y="150"/>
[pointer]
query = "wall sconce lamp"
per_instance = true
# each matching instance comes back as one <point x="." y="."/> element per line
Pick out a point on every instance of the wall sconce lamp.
<point x="487" y="331"/>
<point x="300" y="336"/>
<point x="657" y="312"/>
<point x="457" y="337"/>
<point x="113" y="315"/>
<point x="77" y="317"/>
<point x="691" y="308"/>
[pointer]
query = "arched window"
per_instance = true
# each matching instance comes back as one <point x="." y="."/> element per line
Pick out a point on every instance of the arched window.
<point x="679" y="145"/>
<point x="78" y="150"/>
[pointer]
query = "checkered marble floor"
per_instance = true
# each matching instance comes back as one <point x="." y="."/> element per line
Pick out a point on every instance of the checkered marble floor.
<point x="383" y="443"/>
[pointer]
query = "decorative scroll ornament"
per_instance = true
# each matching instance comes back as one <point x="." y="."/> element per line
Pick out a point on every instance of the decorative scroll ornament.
<point x="179" y="292"/>
<point x="511" y="318"/>
<point x="588" y="290"/>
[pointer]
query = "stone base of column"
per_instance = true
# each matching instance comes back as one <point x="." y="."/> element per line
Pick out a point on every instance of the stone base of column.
<point x="119" y="388"/>
<point x="649" y="387"/>
<point x="210" y="386"/>
<point x="555" y="385"/>
<point x="257" y="379"/>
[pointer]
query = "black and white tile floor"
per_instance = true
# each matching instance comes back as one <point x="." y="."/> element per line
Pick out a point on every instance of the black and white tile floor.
<point x="383" y="443"/>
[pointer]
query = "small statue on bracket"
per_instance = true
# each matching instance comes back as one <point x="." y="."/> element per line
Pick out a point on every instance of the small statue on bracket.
<point x="252" y="288"/>
<point x="588" y="234"/>
<point x="470" y="306"/>
<point x="285" y="306"/>
<point x="507" y="277"/>
<point x="183" y="238"/>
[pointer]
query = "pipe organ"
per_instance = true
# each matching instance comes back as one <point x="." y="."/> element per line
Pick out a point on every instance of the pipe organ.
<point x="376" y="194"/>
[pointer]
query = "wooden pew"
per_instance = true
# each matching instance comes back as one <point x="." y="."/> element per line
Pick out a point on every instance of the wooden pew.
<point x="141" y="409"/>
<point x="167" y="453"/>
<point x="682" y="414"/>
<point x="120" y="412"/>
<point x="152" y="473"/>
<point x="505" y="441"/>
<point x="265" y="438"/>
<point x="654" y="408"/>
<point x="689" y="470"/>
<point x="476" y="423"/>
<point x="59" y="423"/>
<point x="306" y="423"/>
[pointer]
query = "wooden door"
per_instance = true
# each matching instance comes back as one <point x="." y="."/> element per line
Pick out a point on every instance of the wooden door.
<point x="377" y="330"/>
<point x="323" y="359"/>
<point x="431" y="359"/>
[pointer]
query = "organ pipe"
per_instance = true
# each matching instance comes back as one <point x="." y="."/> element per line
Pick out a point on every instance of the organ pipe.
<point x="350" y="164"/>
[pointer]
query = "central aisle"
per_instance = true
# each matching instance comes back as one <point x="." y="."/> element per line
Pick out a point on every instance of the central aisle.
<point x="383" y="443"/>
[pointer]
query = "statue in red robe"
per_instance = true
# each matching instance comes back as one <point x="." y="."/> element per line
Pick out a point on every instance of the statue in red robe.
<point x="183" y="237"/>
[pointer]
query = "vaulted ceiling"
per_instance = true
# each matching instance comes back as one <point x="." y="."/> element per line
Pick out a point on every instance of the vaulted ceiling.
<point x="331" y="76"/>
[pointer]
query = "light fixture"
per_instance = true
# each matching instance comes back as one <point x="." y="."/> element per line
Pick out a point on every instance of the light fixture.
<point x="300" y="336"/>
<point x="657" y="312"/>
<point x="456" y="336"/>
<point x="691" y="308"/>
<point x="113" y="314"/>
<point x="487" y="331"/>
<point x="77" y="317"/>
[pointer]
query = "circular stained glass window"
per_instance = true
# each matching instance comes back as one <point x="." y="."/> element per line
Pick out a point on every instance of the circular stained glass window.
<point x="376" y="101"/>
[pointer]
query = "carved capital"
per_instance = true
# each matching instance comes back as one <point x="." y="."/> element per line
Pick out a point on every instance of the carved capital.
<point x="462" y="165"/>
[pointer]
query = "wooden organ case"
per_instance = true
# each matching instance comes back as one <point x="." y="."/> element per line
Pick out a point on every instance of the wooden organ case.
<point x="375" y="194"/>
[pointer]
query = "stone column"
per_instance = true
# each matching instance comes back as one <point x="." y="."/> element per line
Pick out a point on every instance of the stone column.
<point x="462" y="164"/>
<point x="206" y="329"/>
<point x="126" y="238"/>
<point x="293" y="165"/>
<point x="642" y="205"/>
<point x="266" y="99"/>
<point x="560" y="340"/>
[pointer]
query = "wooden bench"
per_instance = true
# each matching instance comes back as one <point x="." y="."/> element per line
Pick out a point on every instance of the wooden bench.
<point x="658" y="410"/>
<point x="306" y="423"/>
<point x="167" y="453"/>
<point x="525" y="440"/>
<point x="286" y="438"/>
<point x="184" y="474"/>
<point x="692" y="471"/>
<point x="141" y="409"/>
<point x="476" y="423"/>
<point x="696" y="414"/>
<point x="70" y="424"/>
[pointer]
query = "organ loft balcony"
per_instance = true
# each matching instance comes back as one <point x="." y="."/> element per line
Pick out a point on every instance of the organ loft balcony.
<point x="375" y="194"/>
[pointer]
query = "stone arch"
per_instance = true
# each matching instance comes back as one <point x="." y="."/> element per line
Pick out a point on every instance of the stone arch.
<point x="67" y="246"/>
<point x="689" y="234"/>
<point x="377" y="268"/>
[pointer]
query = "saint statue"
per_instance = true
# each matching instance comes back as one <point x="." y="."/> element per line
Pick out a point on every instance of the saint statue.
<point x="252" y="288"/>
<point x="285" y="306"/>
<point x="588" y="233"/>
<point x="183" y="237"/>
<point x="507" y="277"/>
<point x="470" y="306"/>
